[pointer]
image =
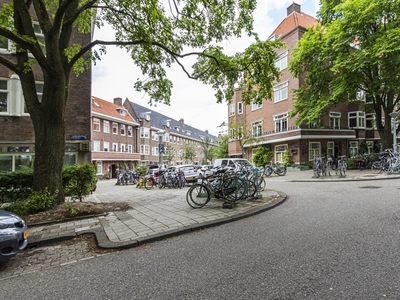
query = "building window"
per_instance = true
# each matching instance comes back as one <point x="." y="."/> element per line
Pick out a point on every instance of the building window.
<point x="255" y="106"/>
<point x="130" y="131"/>
<point x="256" y="128"/>
<point x="330" y="149"/>
<point x="314" y="150"/>
<point x="115" y="128"/>
<point x="281" y="92"/>
<point x="115" y="147"/>
<point x="281" y="122"/>
<point x="3" y="95"/>
<point x="99" y="169"/>
<point x="96" y="124"/>
<point x="370" y="146"/>
<point x="144" y="149"/>
<point x="282" y="61"/>
<point x="154" y="136"/>
<point x="357" y="119"/>
<point x="122" y="129"/>
<point x="96" y="146"/>
<point x="334" y="120"/>
<point x="370" y="121"/>
<point x="231" y="110"/>
<point x="144" y="132"/>
<point x="130" y="148"/>
<point x="106" y="146"/>
<point x="123" y="148"/>
<point x="279" y="152"/>
<point x="154" y="150"/>
<point x="240" y="108"/>
<point x="353" y="148"/>
<point x="106" y="126"/>
<point x="4" y="44"/>
<point x="39" y="36"/>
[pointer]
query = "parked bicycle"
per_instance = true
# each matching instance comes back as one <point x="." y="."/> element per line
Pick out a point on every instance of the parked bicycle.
<point x="319" y="167"/>
<point x="341" y="166"/>
<point x="274" y="168"/>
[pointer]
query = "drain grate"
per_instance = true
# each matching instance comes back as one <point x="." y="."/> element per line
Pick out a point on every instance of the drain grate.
<point x="370" y="187"/>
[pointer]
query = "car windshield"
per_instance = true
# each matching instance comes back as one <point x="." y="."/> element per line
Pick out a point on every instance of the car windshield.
<point x="243" y="163"/>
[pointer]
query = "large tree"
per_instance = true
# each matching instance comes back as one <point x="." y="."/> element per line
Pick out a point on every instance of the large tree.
<point x="353" y="54"/>
<point x="157" y="33"/>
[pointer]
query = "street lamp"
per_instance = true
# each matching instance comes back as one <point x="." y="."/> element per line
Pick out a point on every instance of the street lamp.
<point x="160" y="146"/>
<point x="394" y="115"/>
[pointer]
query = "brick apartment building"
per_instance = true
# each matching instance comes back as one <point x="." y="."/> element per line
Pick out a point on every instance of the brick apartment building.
<point x="125" y="135"/>
<point x="341" y="132"/>
<point x="17" y="136"/>
<point x="156" y="128"/>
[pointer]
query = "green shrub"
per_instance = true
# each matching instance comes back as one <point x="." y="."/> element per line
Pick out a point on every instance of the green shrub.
<point x="36" y="202"/>
<point x="351" y="163"/>
<point x="141" y="169"/>
<point x="79" y="180"/>
<point x="287" y="159"/>
<point x="262" y="156"/>
<point x="15" y="185"/>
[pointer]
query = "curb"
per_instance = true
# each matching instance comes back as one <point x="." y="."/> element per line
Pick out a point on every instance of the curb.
<point x="104" y="243"/>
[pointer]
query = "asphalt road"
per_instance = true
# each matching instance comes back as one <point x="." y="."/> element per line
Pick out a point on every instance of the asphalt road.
<point x="329" y="240"/>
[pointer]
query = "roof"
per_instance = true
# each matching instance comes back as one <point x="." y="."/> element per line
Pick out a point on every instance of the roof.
<point x="158" y="120"/>
<point x="112" y="110"/>
<point x="292" y="21"/>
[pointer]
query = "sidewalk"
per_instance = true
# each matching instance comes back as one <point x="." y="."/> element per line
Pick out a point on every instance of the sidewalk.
<point x="157" y="214"/>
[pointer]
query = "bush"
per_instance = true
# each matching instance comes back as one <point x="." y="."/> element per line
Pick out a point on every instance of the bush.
<point x="142" y="170"/>
<point x="262" y="156"/>
<point x="36" y="202"/>
<point x="79" y="180"/>
<point x="351" y="163"/>
<point x="287" y="159"/>
<point x="15" y="185"/>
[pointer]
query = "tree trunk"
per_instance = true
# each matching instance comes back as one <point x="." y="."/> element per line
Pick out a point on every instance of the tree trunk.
<point x="49" y="125"/>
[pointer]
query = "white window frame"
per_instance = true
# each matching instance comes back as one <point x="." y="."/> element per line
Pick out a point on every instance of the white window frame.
<point x="370" y="118"/>
<point x="130" y="131"/>
<point x="106" y="146"/>
<point x="130" y="148"/>
<point x="96" y="146"/>
<point x="7" y="92"/>
<point x="334" y="120"/>
<point x="281" y="92"/>
<point x="231" y="110"/>
<point x="99" y="169"/>
<point x="115" y="147"/>
<point x="115" y="128"/>
<point x="279" y="151"/>
<point x="39" y="36"/>
<point x="314" y="149"/>
<point x="282" y="62"/>
<point x="144" y="132"/>
<point x="255" y="106"/>
<point x="281" y="122"/>
<point x="106" y="126"/>
<point x="353" y="148"/>
<point x="240" y="108"/>
<point x="144" y="149"/>
<point x="154" y="151"/>
<point x="360" y="119"/>
<point x="96" y="124"/>
<point x="122" y="129"/>
<point x="330" y="148"/>
<point x="122" y="148"/>
<point x="257" y="128"/>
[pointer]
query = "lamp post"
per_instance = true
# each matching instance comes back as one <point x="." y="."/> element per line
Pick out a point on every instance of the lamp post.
<point x="160" y="146"/>
<point x="394" y="115"/>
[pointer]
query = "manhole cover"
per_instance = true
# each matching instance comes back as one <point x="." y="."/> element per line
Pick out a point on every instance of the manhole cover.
<point x="370" y="187"/>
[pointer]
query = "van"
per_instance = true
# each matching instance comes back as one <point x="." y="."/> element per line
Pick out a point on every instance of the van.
<point x="236" y="163"/>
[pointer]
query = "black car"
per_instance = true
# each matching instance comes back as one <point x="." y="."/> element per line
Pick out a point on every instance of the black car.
<point x="13" y="235"/>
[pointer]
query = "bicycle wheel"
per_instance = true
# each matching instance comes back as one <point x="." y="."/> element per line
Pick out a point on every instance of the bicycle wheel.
<point x="268" y="171"/>
<point x="260" y="183"/>
<point x="251" y="189"/>
<point x="316" y="171"/>
<point x="376" y="167"/>
<point x="198" y="195"/>
<point x="148" y="184"/>
<point x="281" y="171"/>
<point x="233" y="188"/>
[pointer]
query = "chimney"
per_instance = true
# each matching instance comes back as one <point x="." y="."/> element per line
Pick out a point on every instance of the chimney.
<point x="294" y="8"/>
<point x="118" y="101"/>
<point x="182" y="121"/>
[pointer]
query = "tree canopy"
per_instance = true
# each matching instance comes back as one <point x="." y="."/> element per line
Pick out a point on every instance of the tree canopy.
<point x="353" y="55"/>
<point x="156" y="33"/>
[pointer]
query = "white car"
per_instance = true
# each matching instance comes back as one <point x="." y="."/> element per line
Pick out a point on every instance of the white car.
<point x="206" y="171"/>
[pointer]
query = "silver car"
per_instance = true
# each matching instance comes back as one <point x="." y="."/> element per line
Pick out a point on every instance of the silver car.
<point x="13" y="235"/>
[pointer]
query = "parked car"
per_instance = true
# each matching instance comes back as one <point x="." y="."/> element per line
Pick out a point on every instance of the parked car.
<point x="206" y="171"/>
<point x="191" y="172"/>
<point x="235" y="163"/>
<point x="13" y="235"/>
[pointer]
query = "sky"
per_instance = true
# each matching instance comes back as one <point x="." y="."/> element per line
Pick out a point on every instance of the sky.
<point x="115" y="75"/>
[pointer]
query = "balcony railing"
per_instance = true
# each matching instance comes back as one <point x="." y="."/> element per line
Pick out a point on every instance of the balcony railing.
<point x="293" y="128"/>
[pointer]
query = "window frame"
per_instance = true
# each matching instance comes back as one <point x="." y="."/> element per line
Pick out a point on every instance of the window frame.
<point x="115" y="128"/>
<point x="106" y="126"/>
<point x="278" y="91"/>
<point x="282" y="120"/>
<point x="256" y="128"/>
<point x="7" y="92"/>
<point x="282" y="62"/>
<point x="231" y="110"/>
<point x="96" y="124"/>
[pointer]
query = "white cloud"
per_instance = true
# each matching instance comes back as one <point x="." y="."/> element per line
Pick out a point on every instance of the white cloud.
<point x="115" y="74"/>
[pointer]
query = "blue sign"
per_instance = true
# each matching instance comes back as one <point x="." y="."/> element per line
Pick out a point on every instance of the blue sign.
<point x="161" y="148"/>
<point x="78" y="137"/>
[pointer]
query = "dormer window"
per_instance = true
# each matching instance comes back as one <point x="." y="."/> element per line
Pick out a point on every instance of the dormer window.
<point x="274" y="37"/>
<point x="122" y="112"/>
